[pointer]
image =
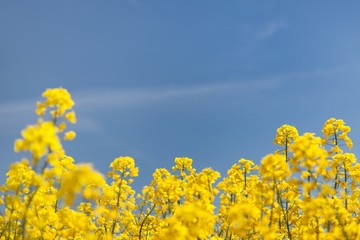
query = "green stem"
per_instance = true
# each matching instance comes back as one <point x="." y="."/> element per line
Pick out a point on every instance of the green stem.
<point x="146" y="216"/>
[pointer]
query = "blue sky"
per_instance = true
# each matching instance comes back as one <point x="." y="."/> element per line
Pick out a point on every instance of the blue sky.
<point x="211" y="80"/>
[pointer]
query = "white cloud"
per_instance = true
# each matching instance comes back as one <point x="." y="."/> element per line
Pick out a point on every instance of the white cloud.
<point x="136" y="3"/>
<point x="18" y="114"/>
<point x="271" y="28"/>
<point x="17" y="107"/>
<point x="87" y="124"/>
<point x="121" y="98"/>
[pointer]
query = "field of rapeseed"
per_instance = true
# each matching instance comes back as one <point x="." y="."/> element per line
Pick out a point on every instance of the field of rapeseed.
<point x="308" y="189"/>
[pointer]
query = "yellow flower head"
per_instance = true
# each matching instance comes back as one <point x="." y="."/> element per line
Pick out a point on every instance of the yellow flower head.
<point x="285" y="135"/>
<point x="274" y="167"/>
<point x="58" y="98"/>
<point x="70" y="135"/>
<point x="38" y="140"/>
<point x="183" y="164"/>
<point x="336" y="130"/>
<point x="83" y="177"/>
<point x="308" y="152"/>
<point x="71" y="117"/>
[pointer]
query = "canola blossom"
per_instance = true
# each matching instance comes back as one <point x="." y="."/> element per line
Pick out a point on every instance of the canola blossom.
<point x="307" y="189"/>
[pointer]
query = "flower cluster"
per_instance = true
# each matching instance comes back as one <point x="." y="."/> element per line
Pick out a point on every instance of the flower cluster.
<point x="306" y="189"/>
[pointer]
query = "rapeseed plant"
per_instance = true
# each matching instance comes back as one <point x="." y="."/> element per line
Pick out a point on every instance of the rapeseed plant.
<point x="307" y="189"/>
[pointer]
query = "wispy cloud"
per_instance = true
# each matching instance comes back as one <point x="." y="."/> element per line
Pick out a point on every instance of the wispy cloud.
<point x="122" y="98"/>
<point x="136" y="3"/>
<point x="133" y="97"/>
<point x="271" y="28"/>
<point x="19" y="113"/>
<point x="15" y="114"/>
